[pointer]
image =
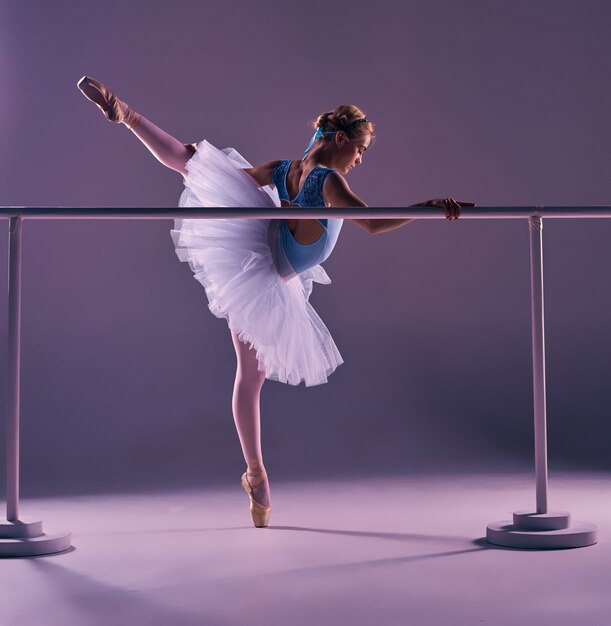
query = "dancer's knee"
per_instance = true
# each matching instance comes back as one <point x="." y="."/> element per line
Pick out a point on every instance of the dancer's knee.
<point x="249" y="379"/>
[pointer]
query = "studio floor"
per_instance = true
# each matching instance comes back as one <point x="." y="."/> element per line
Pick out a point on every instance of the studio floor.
<point x="396" y="551"/>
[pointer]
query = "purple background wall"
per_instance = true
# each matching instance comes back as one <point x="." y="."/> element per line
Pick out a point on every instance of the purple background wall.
<point x="127" y="377"/>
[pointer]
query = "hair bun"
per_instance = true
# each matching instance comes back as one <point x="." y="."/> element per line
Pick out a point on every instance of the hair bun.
<point x="323" y="119"/>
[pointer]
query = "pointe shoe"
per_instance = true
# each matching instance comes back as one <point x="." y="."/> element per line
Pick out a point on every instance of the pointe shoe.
<point x="114" y="109"/>
<point x="260" y="514"/>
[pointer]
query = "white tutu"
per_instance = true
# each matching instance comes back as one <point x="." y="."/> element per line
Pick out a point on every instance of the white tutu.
<point x="233" y="260"/>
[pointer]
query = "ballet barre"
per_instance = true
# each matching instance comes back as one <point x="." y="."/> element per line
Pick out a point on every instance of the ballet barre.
<point x="539" y="528"/>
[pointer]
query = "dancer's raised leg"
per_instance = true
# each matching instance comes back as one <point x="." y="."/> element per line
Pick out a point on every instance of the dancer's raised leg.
<point x="246" y="413"/>
<point x="165" y="148"/>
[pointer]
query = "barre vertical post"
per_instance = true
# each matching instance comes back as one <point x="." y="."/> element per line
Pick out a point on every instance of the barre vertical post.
<point x="540" y="528"/>
<point x="14" y="342"/>
<point x="19" y="536"/>
<point x="538" y="359"/>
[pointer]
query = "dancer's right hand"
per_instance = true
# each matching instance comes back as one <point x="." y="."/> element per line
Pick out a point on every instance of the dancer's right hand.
<point x="451" y="206"/>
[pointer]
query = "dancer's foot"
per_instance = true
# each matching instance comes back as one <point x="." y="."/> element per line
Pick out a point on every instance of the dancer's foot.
<point x="259" y="482"/>
<point x="256" y="479"/>
<point x="114" y="109"/>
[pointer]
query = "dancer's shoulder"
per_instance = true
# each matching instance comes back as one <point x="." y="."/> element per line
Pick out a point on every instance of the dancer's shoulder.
<point x="262" y="173"/>
<point x="337" y="193"/>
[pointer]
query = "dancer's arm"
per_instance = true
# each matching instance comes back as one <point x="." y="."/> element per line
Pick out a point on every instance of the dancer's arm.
<point x="338" y="193"/>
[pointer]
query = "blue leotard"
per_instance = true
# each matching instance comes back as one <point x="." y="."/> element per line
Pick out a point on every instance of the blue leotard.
<point x="291" y="256"/>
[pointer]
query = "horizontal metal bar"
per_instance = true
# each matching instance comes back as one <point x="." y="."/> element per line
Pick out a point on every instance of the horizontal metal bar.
<point x="419" y="212"/>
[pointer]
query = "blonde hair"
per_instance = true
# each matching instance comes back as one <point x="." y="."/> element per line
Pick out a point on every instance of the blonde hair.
<point x="340" y="118"/>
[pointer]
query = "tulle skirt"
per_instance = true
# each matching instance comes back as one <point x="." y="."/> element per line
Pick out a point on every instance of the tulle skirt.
<point x="245" y="279"/>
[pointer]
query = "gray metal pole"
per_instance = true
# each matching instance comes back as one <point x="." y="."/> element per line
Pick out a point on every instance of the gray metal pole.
<point x="415" y="212"/>
<point x="538" y="352"/>
<point x="14" y="334"/>
<point x="19" y="536"/>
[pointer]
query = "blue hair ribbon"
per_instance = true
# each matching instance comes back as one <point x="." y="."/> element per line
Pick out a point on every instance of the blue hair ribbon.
<point x="317" y="135"/>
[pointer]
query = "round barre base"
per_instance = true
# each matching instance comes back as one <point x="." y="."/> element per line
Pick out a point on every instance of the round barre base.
<point x="25" y="537"/>
<point x="531" y="520"/>
<point x="579" y="535"/>
<point x="20" y="529"/>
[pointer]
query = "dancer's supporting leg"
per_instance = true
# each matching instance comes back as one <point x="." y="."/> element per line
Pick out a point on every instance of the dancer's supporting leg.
<point x="246" y="413"/>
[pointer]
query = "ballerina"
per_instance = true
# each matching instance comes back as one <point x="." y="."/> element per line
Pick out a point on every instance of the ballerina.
<point x="258" y="274"/>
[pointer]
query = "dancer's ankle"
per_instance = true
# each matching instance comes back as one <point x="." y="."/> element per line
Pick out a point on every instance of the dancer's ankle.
<point x="130" y="117"/>
<point x="257" y="478"/>
<point x="255" y="467"/>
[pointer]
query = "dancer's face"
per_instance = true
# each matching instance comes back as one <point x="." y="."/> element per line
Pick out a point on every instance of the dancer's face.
<point x="351" y="151"/>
